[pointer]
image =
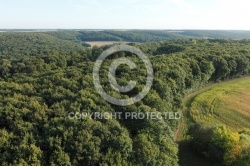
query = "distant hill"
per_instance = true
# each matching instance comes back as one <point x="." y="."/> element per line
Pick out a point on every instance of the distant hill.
<point x="216" y="34"/>
<point x="148" y="35"/>
<point x="44" y="42"/>
<point x="139" y="35"/>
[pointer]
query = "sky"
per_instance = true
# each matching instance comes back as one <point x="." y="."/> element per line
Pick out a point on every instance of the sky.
<point x="125" y="14"/>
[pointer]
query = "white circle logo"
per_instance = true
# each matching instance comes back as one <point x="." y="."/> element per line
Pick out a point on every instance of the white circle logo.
<point x="112" y="71"/>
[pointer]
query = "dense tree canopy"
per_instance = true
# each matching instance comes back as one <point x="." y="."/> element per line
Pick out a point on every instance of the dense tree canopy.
<point x="43" y="78"/>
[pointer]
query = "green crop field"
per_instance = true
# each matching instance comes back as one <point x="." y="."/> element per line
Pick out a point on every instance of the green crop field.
<point x="226" y="104"/>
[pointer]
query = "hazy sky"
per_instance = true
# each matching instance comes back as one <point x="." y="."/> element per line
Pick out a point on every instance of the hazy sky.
<point x="125" y="14"/>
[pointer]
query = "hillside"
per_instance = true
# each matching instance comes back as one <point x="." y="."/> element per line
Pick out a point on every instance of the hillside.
<point x="140" y="35"/>
<point x="157" y="35"/>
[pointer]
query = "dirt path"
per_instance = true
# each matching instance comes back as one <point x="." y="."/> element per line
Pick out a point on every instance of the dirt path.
<point x="186" y="104"/>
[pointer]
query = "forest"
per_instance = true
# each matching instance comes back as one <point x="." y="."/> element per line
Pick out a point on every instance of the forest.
<point x="46" y="75"/>
<point x="140" y="36"/>
<point x="148" y="35"/>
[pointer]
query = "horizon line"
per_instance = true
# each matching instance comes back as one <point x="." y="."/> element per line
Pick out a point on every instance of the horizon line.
<point x="170" y="29"/>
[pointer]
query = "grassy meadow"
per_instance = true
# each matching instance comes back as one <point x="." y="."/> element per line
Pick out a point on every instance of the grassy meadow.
<point x="225" y="104"/>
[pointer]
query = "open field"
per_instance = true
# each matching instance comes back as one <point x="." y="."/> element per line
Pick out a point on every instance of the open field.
<point x="230" y="102"/>
<point x="103" y="43"/>
<point x="226" y="104"/>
